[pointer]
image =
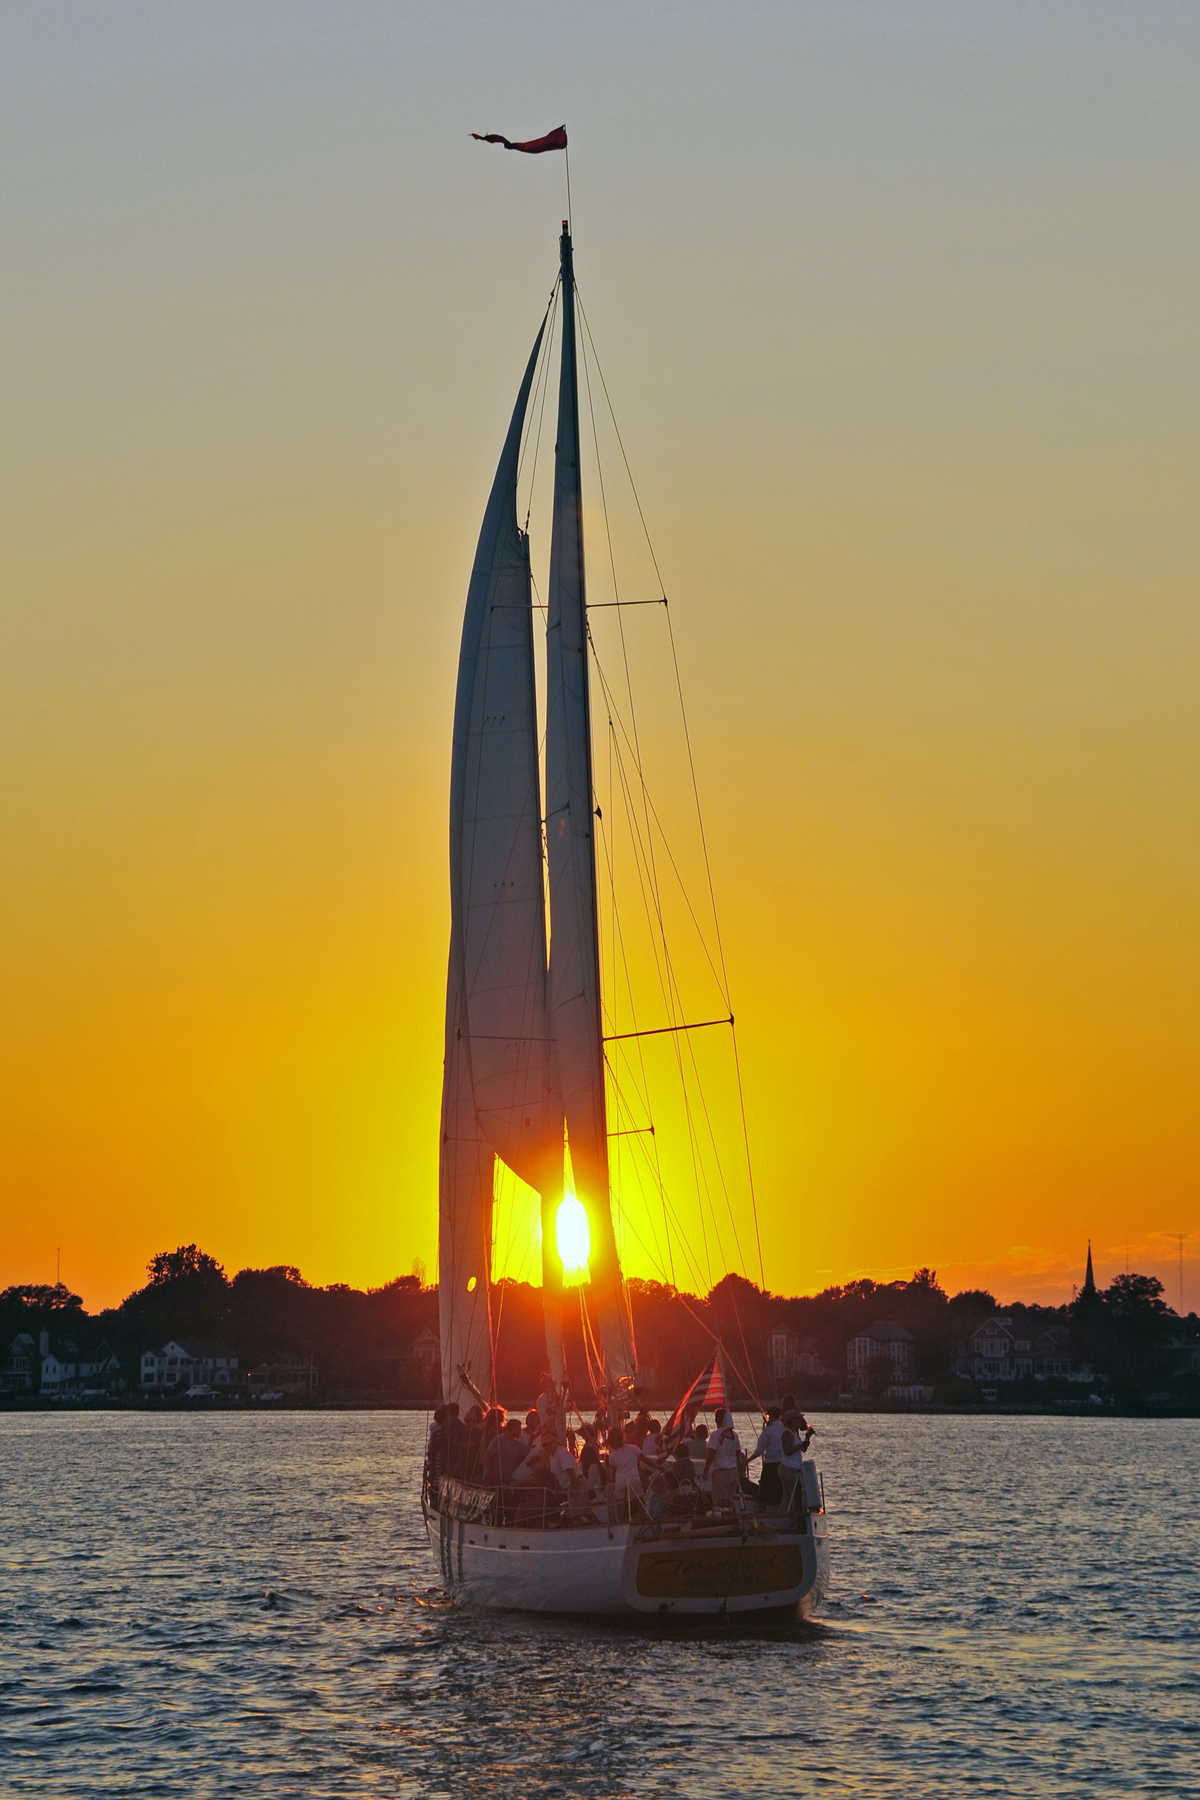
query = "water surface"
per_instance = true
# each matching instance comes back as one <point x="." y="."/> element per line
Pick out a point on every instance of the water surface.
<point x="201" y="1606"/>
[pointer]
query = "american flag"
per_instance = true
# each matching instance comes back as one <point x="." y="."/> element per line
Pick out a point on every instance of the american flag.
<point x="707" y="1390"/>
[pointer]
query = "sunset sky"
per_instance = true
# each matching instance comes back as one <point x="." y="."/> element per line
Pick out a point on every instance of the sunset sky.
<point x="898" y="310"/>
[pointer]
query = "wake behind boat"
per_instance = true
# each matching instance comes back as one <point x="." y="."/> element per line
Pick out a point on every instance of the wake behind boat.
<point x="525" y="1090"/>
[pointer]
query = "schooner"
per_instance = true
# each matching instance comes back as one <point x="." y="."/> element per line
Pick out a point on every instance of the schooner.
<point x="524" y="1083"/>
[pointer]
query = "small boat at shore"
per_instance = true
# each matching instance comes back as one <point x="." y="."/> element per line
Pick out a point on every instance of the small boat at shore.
<point x="525" y="1090"/>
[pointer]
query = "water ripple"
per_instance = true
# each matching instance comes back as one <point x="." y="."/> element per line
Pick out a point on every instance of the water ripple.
<point x="1011" y="1616"/>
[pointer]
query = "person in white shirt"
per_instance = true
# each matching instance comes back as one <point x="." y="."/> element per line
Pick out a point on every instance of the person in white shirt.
<point x="651" y="1453"/>
<point x="770" y="1492"/>
<point x="698" y="1444"/>
<point x="623" y="1460"/>
<point x="797" y="1435"/>
<point x="721" y="1460"/>
<point x="565" y="1468"/>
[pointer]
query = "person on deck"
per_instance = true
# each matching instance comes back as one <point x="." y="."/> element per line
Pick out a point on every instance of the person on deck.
<point x="651" y="1453"/>
<point x="456" y="1441"/>
<point x="530" y="1431"/>
<point x="590" y="1466"/>
<point x="623" y="1460"/>
<point x="547" y="1402"/>
<point x="503" y="1456"/>
<point x="473" y="1447"/>
<point x="697" y="1442"/>
<point x="721" y="1460"/>
<point x="563" y="1464"/>
<point x="435" y="1451"/>
<point x="770" y="1492"/>
<point x="636" y="1432"/>
<point x="683" y="1477"/>
<point x="795" y="1422"/>
<point x="794" y="1441"/>
<point x="538" y="1492"/>
<point x="535" y="1470"/>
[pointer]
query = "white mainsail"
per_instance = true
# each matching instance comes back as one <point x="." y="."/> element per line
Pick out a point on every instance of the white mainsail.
<point x="496" y="1095"/>
<point x="524" y="1045"/>
<point x="575" y="1016"/>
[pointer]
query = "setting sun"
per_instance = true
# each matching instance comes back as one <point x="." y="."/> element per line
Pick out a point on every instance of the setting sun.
<point x="574" y="1240"/>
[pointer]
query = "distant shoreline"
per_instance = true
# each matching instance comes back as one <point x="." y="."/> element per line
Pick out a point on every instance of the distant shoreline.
<point x="11" y="1404"/>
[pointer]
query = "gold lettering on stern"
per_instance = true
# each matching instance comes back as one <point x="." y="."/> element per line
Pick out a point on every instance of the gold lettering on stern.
<point x="719" y="1574"/>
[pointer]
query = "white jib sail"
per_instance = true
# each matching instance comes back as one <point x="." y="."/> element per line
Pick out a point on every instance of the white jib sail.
<point x="496" y="1095"/>
<point x="574" y="946"/>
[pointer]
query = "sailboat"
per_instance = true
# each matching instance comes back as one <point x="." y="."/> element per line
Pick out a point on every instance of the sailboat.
<point x="524" y="1085"/>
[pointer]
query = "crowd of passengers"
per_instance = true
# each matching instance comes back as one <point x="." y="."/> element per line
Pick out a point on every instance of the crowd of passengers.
<point x="703" y="1471"/>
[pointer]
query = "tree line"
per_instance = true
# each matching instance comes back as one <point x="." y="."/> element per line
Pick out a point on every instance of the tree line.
<point x="362" y="1339"/>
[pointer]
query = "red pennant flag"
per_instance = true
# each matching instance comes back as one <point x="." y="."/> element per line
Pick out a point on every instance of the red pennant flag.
<point x="553" y="140"/>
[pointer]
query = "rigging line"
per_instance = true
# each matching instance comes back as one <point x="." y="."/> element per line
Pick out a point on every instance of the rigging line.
<point x="695" y="785"/>
<point x="670" y="997"/>
<point x="641" y="861"/>
<point x="682" y="1298"/>
<point x="619" y="942"/>
<point x="678" y="677"/>
<point x="702" y="1278"/>
<point x="717" y="1159"/>
<point x="540" y="372"/>
<point x="621" y="629"/>
<point x="668" y="993"/>
<point x="696" y="1273"/>
<point x="718" y="973"/>
<point x="654" y="1171"/>
<point x="737" y="1061"/>
<point x="617" y="429"/>
<point x="737" y="1064"/>
<point x="722" y="980"/>
<point x="599" y="605"/>
<point x="545" y="381"/>
<point x="616" y="1037"/>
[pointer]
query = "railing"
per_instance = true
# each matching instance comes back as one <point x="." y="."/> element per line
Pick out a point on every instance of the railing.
<point x="545" y="1509"/>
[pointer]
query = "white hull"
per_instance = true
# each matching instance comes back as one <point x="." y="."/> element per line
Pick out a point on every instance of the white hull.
<point x="761" y="1565"/>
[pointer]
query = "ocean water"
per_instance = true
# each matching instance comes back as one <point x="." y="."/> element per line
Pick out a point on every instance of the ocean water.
<point x="222" y="1605"/>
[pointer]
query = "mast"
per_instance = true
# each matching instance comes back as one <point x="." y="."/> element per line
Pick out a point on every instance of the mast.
<point x="575" y="1005"/>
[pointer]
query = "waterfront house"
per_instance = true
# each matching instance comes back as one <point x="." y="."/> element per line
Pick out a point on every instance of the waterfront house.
<point x="287" y="1375"/>
<point x="184" y="1363"/>
<point x="884" y="1348"/>
<point x="427" y="1351"/>
<point x="790" y="1355"/>
<point x="55" y="1365"/>
<point x="1000" y="1351"/>
<point x="19" y="1365"/>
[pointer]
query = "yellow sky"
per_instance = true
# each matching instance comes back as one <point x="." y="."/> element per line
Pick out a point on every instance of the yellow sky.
<point x="898" y="313"/>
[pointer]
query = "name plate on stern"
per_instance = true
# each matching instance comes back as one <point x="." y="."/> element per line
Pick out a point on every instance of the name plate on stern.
<point x="719" y="1573"/>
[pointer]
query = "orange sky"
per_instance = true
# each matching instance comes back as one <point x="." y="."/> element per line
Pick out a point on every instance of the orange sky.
<point x="898" y="316"/>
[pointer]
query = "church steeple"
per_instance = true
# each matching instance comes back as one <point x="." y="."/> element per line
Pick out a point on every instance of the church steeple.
<point x="1089" y="1281"/>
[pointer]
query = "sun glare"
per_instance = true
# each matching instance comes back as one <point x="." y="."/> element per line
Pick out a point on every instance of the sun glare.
<point x="574" y="1240"/>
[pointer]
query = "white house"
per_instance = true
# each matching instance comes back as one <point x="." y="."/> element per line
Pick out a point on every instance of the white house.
<point x="183" y="1363"/>
<point x="1000" y="1351"/>
<point x="56" y="1365"/>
